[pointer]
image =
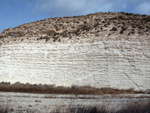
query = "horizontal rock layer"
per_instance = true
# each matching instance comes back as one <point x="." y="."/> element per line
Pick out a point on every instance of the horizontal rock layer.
<point x="119" y="64"/>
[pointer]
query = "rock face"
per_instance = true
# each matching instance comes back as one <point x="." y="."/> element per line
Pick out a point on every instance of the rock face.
<point x="98" y="50"/>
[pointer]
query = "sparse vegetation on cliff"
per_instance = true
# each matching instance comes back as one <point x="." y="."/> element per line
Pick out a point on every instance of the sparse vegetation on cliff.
<point x="84" y="26"/>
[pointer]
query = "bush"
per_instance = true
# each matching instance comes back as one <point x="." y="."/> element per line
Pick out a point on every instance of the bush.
<point x="114" y="29"/>
<point x="50" y="89"/>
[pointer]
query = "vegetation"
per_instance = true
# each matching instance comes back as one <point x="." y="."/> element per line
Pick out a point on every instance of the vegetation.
<point x="130" y="108"/>
<point x="50" y="89"/>
<point x="5" y="108"/>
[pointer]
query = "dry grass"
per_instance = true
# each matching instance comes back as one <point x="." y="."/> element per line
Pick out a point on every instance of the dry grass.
<point x="136" y="108"/>
<point x="49" y="89"/>
<point x="130" y="108"/>
<point x="5" y="108"/>
<point x="88" y="109"/>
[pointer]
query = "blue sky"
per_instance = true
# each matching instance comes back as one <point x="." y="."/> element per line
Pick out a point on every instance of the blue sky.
<point x="17" y="12"/>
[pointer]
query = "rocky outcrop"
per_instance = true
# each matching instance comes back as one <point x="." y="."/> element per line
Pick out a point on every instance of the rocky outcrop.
<point x="98" y="50"/>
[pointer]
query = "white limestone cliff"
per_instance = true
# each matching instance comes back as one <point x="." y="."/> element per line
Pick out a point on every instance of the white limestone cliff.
<point x="98" y="50"/>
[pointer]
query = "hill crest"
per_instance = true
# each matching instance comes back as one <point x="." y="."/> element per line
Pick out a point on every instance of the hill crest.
<point x="96" y="25"/>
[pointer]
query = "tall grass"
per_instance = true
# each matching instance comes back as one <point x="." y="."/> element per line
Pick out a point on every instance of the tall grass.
<point x="5" y="108"/>
<point x="136" y="108"/>
<point x="130" y="108"/>
<point x="87" y="110"/>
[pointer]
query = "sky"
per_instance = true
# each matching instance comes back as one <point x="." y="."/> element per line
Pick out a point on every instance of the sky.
<point x="17" y="12"/>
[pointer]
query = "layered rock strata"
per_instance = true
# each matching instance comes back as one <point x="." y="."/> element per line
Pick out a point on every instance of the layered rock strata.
<point x="97" y="50"/>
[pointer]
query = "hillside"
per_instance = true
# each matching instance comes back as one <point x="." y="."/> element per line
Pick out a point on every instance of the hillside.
<point x="99" y="24"/>
<point x="103" y="50"/>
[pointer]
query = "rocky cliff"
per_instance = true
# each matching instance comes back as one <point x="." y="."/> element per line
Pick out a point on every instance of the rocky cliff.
<point x="98" y="50"/>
